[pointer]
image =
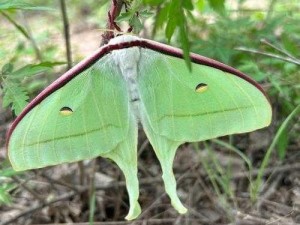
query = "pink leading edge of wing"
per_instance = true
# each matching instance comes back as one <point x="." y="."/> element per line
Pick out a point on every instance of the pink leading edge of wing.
<point x="144" y="43"/>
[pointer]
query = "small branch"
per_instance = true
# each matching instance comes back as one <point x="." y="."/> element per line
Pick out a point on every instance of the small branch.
<point x="81" y="171"/>
<point x="269" y="192"/>
<point x="269" y="170"/>
<point x="113" y="13"/>
<point x="264" y="41"/>
<point x="23" y="185"/>
<point x="38" y="207"/>
<point x="32" y="40"/>
<point x="59" y="182"/>
<point x="287" y="59"/>
<point x="66" y="32"/>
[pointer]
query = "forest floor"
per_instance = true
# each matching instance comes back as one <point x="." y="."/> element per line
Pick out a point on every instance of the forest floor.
<point x="61" y="194"/>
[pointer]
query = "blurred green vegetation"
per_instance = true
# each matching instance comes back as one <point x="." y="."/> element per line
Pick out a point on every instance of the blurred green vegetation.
<point x="262" y="40"/>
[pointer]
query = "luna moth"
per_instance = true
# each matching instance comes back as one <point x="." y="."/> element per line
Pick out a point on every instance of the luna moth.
<point x="94" y="110"/>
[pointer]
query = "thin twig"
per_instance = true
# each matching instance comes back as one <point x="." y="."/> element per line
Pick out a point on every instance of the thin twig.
<point x="287" y="59"/>
<point x="31" y="39"/>
<point x="23" y="185"/>
<point x="264" y="41"/>
<point x="66" y="32"/>
<point x="81" y="173"/>
<point x="59" y="182"/>
<point x="269" y="192"/>
<point x="38" y="207"/>
<point x="269" y="170"/>
<point x="136" y="222"/>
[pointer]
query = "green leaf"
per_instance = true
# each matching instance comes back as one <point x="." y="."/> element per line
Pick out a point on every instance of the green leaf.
<point x="257" y="184"/>
<point x="153" y="2"/>
<point x="124" y="17"/>
<point x="171" y="26"/>
<point x="19" y="4"/>
<point x="7" y="68"/>
<point x="217" y="5"/>
<point x="33" y="69"/>
<point x="200" y="5"/>
<point x="15" y="96"/>
<point x="174" y="14"/>
<point x="8" y="172"/>
<point x="136" y="24"/>
<point x="185" y="45"/>
<point x="282" y="144"/>
<point x="177" y="19"/>
<point x="146" y="14"/>
<point x="251" y="68"/>
<point x="187" y="4"/>
<point x="162" y="16"/>
<point x="5" y="197"/>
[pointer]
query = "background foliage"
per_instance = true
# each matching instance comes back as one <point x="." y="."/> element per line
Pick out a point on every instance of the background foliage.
<point x="261" y="38"/>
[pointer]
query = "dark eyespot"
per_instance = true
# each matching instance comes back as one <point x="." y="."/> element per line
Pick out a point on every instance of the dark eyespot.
<point x="66" y="111"/>
<point x="202" y="87"/>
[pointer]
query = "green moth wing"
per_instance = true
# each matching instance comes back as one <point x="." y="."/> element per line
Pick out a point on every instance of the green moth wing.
<point x="79" y="116"/>
<point x="87" y="117"/>
<point x="179" y="105"/>
<point x="94" y="109"/>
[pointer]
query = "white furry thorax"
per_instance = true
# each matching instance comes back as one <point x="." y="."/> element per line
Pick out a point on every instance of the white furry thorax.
<point x="127" y="60"/>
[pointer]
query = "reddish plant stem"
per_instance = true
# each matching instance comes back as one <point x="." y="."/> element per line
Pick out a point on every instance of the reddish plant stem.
<point x="113" y="13"/>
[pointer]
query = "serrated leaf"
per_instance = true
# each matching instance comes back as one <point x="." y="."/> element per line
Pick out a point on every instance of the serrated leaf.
<point x="19" y="4"/>
<point x="124" y="17"/>
<point x="15" y="96"/>
<point x="136" y="24"/>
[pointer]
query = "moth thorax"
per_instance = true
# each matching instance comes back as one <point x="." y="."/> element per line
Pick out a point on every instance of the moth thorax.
<point x="127" y="60"/>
